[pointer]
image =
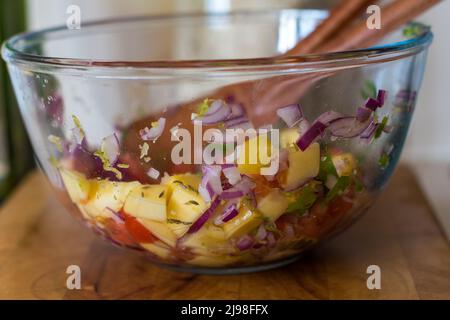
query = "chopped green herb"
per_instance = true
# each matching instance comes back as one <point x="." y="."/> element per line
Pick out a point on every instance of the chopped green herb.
<point x="161" y="194"/>
<point x="123" y="165"/>
<point x="106" y="165"/>
<point x="383" y="162"/>
<point x="381" y="127"/>
<point x="338" y="189"/>
<point x="195" y="203"/>
<point x="142" y="194"/>
<point x="326" y="168"/>
<point x="144" y="150"/>
<point x="414" y="29"/>
<point x="203" y="107"/>
<point x="359" y="185"/>
<point x="77" y="123"/>
<point x="305" y="199"/>
<point x="176" y="221"/>
<point x="369" y="90"/>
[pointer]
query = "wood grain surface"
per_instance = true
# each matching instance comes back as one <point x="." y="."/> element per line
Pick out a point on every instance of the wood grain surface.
<point x="38" y="240"/>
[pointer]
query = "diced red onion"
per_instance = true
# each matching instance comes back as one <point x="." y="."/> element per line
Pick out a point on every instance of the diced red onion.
<point x="205" y="216"/>
<point x="214" y="107"/>
<point x="211" y="179"/>
<point x="363" y="113"/>
<point x="235" y="121"/>
<point x="381" y="97"/>
<point x="290" y="114"/>
<point x="303" y="126"/>
<point x="231" y="194"/>
<point x="111" y="148"/>
<point x="221" y="114"/>
<point x="369" y="133"/>
<point x="154" y="132"/>
<point x="348" y="127"/>
<point x="372" y="104"/>
<point x="115" y="215"/>
<point x="153" y="173"/>
<point x="328" y="117"/>
<point x="205" y="193"/>
<point x="310" y="136"/>
<point x="245" y="243"/>
<point x="271" y="241"/>
<point x="232" y="174"/>
<point x="237" y="110"/>
<point x="261" y="233"/>
<point x="229" y="213"/>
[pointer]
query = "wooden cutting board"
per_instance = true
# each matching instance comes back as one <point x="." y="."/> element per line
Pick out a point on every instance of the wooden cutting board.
<point x="38" y="240"/>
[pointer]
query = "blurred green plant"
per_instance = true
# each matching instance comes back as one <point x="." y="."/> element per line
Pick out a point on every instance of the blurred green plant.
<point x="17" y="156"/>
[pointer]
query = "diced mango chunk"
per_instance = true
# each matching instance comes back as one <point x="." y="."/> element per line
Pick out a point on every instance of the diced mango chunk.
<point x="273" y="205"/>
<point x="288" y="137"/>
<point x="344" y="163"/>
<point x="160" y="230"/>
<point x="208" y="238"/>
<point x="159" y="249"/>
<point x="191" y="181"/>
<point x="148" y="202"/>
<point x="303" y="165"/>
<point x="107" y="196"/>
<point x="185" y="205"/>
<point x="247" y="220"/>
<point x="77" y="186"/>
<point x="255" y="154"/>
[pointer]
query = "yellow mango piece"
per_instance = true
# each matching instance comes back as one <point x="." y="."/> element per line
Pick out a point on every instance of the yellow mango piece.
<point x="191" y="181"/>
<point x="344" y="163"/>
<point x="77" y="186"/>
<point x="247" y="220"/>
<point x="273" y="205"/>
<point x="255" y="154"/>
<point x="106" y="196"/>
<point x="209" y="238"/>
<point x="160" y="230"/>
<point x="303" y="165"/>
<point x="288" y="137"/>
<point x="148" y="202"/>
<point x="159" y="249"/>
<point x="184" y="208"/>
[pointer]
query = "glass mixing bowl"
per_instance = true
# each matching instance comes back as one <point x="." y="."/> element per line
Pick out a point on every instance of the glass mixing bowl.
<point x="179" y="138"/>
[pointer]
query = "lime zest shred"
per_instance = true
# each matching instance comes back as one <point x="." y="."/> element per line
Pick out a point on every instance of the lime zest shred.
<point x="77" y="123"/>
<point x="123" y="165"/>
<point x="144" y="150"/>
<point x="204" y="107"/>
<point x="56" y="141"/>
<point x="381" y="127"/>
<point x="369" y="90"/>
<point x="53" y="161"/>
<point x="106" y="165"/>
<point x="383" y="162"/>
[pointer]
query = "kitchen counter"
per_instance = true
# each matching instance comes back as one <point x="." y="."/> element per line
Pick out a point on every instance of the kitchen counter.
<point x="38" y="240"/>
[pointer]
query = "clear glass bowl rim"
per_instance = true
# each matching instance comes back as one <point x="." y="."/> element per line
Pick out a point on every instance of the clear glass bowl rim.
<point x="300" y="63"/>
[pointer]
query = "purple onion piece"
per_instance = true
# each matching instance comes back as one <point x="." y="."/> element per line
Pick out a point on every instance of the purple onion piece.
<point x="205" y="216"/>
<point x="317" y="129"/>
<point x="372" y="104"/>
<point x="220" y="115"/>
<point x="328" y="116"/>
<point x="363" y="113"/>
<point x="290" y="114"/>
<point x="381" y="97"/>
<point x="245" y="243"/>
<point x="348" y="127"/>
<point x="230" y="213"/>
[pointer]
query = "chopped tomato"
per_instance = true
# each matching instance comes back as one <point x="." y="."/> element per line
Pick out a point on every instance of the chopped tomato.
<point x="118" y="232"/>
<point x="137" y="230"/>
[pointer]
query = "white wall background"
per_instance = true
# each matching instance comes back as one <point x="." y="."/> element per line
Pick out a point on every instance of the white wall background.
<point x="429" y="138"/>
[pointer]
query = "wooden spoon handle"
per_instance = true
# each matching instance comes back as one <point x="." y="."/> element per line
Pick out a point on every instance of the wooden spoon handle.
<point x="393" y="16"/>
<point x="338" y="17"/>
